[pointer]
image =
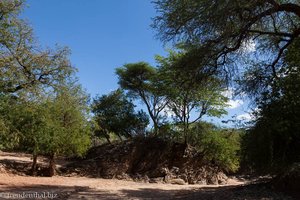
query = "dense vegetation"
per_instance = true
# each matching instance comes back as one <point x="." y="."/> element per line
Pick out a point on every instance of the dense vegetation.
<point x="250" y="46"/>
<point x="254" y="46"/>
<point x="44" y="110"/>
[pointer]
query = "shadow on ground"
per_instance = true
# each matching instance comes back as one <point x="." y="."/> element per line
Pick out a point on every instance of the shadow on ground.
<point x="249" y="192"/>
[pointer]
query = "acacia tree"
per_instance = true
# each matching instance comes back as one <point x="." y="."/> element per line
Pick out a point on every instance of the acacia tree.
<point x="256" y="37"/>
<point x="45" y="111"/>
<point x="143" y="82"/>
<point x="218" y="32"/>
<point x="23" y="63"/>
<point x="190" y="96"/>
<point x="50" y="125"/>
<point x="114" y="113"/>
<point x="69" y="130"/>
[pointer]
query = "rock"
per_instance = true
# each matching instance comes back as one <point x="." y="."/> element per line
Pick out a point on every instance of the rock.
<point x="156" y="180"/>
<point x="222" y="178"/>
<point x="165" y="171"/>
<point x="212" y="180"/>
<point x="177" y="181"/>
<point x="145" y="179"/>
<point x="123" y="176"/>
<point x="2" y="169"/>
<point x="175" y="170"/>
<point x="184" y="177"/>
<point x="202" y="182"/>
<point x="148" y="160"/>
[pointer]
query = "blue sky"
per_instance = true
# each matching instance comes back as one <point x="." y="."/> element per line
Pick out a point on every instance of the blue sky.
<point x="102" y="35"/>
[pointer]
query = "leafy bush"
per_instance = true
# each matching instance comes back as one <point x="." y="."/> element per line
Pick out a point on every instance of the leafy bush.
<point x="222" y="148"/>
<point x="219" y="146"/>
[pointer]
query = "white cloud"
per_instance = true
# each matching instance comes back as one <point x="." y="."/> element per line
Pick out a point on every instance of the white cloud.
<point x="228" y="93"/>
<point x="168" y="111"/>
<point x="245" y="116"/>
<point x="232" y="104"/>
<point x="248" y="46"/>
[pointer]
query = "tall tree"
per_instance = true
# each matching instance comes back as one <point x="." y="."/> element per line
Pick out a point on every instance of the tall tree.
<point x="220" y="31"/>
<point x="68" y="127"/>
<point x="142" y="81"/>
<point x="190" y="98"/>
<point x="44" y="109"/>
<point x="50" y="125"/>
<point x="23" y="63"/>
<point x="273" y="142"/>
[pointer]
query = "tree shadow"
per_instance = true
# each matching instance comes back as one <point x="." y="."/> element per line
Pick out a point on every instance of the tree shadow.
<point x="16" y="166"/>
<point x="249" y="192"/>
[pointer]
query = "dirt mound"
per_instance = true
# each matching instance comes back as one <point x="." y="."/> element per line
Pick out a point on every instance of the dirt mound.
<point x="148" y="160"/>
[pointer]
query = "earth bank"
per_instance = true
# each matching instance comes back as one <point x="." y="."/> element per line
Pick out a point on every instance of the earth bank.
<point x="148" y="160"/>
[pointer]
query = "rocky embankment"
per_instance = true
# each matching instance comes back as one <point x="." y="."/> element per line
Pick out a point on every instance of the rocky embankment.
<point x="148" y="160"/>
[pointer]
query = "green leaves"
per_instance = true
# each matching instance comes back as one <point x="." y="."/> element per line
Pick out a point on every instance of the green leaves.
<point x="136" y="76"/>
<point x="273" y="142"/>
<point x="47" y="124"/>
<point x="143" y="81"/>
<point x="226" y="37"/>
<point x="114" y="113"/>
<point x="217" y="145"/>
<point x="190" y="96"/>
<point x="24" y="65"/>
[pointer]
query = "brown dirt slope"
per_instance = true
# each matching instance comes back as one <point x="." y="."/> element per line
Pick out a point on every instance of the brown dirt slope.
<point x="150" y="160"/>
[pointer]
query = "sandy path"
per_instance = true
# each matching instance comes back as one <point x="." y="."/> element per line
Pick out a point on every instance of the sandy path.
<point x="90" y="188"/>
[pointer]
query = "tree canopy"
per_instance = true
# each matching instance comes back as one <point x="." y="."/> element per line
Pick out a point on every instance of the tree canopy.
<point x="255" y="46"/>
<point x="142" y="81"/>
<point x="219" y="32"/>
<point x="24" y="64"/>
<point x="44" y="111"/>
<point x="114" y="113"/>
<point x="190" y="99"/>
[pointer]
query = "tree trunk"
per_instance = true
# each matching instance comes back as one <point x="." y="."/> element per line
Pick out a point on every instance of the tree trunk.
<point x="34" y="164"/>
<point x="107" y="137"/>
<point x="51" y="168"/>
<point x="156" y="130"/>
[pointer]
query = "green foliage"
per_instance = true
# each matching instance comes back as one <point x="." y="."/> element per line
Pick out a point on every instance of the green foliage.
<point x="217" y="145"/>
<point x="42" y="110"/>
<point x="226" y="35"/>
<point x="273" y="143"/>
<point x="55" y="124"/>
<point x="68" y="131"/>
<point x="222" y="148"/>
<point x="24" y="65"/>
<point x="190" y="96"/>
<point x="136" y="77"/>
<point x="8" y="133"/>
<point x="142" y="81"/>
<point x="114" y="113"/>
<point x="258" y="39"/>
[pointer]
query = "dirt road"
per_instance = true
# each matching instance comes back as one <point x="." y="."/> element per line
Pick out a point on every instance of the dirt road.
<point x="89" y="188"/>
